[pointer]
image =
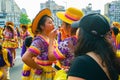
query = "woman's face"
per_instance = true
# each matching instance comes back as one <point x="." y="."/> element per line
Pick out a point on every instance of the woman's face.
<point x="66" y="27"/>
<point x="49" y="25"/>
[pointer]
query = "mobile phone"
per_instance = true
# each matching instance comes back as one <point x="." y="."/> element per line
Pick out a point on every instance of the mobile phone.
<point x="56" y="67"/>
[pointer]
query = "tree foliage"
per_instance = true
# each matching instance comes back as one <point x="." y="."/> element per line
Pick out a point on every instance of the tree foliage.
<point x="24" y="19"/>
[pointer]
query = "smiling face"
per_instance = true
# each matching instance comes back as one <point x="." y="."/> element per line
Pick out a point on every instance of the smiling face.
<point x="49" y="25"/>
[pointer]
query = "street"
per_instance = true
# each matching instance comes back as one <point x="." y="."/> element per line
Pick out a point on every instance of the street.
<point x="15" y="71"/>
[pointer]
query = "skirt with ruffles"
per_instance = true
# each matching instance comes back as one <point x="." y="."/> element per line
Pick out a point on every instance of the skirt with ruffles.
<point x="10" y="44"/>
<point x="47" y="73"/>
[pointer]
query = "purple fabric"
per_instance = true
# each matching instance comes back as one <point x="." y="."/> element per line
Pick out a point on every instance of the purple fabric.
<point x="25" y="73"/>
<point x="10" y="58"/>
<point x="23" y="49"/>
<point x="41" y="45"/>
<point x="18" y="33"/>
<point x="38" y="72"/>
<point x="66" y="50"/>
<point x="118" y="46"/>
<point x="59" y="37"/>
<point x="2" y="62"/>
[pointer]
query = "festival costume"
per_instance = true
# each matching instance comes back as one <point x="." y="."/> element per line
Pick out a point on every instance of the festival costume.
<point x="64" y="39"/>
<point x="23" y="36"/>
<point x="5" y="62"/>
<point x="116" y="39"/>
<point x="39" y="47"/>
<point x="10" y="40"/>
<point x="66" y="47"/>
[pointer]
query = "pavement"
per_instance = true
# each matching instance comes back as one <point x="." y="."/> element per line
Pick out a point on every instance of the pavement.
<point x="16" y="70"/>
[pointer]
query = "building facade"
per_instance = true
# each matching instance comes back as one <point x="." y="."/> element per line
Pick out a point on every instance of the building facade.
<point x="54" y="8"/>
<point x="89" y="10"/>
<point x="9" y="11"/>
<point x="112" y="10"/>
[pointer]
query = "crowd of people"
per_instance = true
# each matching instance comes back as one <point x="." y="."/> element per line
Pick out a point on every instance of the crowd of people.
<point x="84" y="47"/>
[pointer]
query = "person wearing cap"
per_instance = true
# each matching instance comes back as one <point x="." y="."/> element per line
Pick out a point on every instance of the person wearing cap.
<point x="95" y="55"/>
<point x="36" y="55"/>
<point x="66" y="37"/>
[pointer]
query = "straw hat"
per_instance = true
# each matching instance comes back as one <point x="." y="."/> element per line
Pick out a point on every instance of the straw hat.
<point x="116" y="24"/>
<point x="70" y="15"/>
<point x="43" y="12"/>
<point x="11" y="24"/>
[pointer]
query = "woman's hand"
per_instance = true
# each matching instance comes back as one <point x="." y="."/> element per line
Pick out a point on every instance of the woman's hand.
<point x="53" y="34"/>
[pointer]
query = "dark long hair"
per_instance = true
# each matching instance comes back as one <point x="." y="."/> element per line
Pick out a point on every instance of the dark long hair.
<point x="101" y="46"/>
<point x="11" y="29"/>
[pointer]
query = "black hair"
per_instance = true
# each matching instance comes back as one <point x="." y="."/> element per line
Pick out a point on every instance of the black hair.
<point x="9" y="28"/>
<point x="42" y="23"/>
<point x="101" y="46"/>
<point x="24" y="26"/>
<point x="0" y="47"/>
<point x="28" y="41"/>
<point x="115" y="30"/>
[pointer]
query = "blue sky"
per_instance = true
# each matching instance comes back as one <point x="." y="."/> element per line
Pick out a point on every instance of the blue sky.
<point x="33" y="6"/>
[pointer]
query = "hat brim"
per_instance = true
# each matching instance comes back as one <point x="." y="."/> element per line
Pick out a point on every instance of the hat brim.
<point x="76" y="24"/>
<point x="61" y="15"/>
<point x="43" y="12"/>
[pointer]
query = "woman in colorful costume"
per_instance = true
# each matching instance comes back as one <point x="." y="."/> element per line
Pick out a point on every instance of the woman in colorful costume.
<point x="66" y="37"/>
<point x="10" y="38"/>
<point x="116" y="36"/>
<point x="24" y="33"/>
<point x="36" y="55"/>
<point x="5" y="62"/>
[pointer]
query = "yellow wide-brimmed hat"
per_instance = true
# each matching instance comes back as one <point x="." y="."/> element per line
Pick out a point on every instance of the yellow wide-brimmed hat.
<point x="11" y="24"/>
<point x="70" y="15"/>
<point x="116" y="24"/>
<point x="43" y="12"/>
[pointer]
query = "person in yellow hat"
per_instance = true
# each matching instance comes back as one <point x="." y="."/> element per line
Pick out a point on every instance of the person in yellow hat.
<point x="66" y="37"/>
<point x="24" y="32"/>
<point x="36" y="55"/>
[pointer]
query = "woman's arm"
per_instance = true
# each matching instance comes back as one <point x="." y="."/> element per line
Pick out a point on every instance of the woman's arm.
<point x="74" y="78"/>
<point x="27" y="58"/>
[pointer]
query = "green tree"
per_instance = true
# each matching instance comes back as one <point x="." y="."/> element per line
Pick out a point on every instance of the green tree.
<point x="24" y="19"/>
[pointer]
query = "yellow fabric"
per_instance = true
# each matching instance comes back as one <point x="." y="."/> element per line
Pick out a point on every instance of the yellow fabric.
<point x="118" y="38"/>
<point x="5" y="57"/>
<point x="10" y="44"/>
<point x="1" y="74"/>
<point x="26" y="68"/>
<point x="3" y="70"/>
<point x="119" y="77"/>
<point x="47" y="74"/>
<point x="60" y="75"/>
<point x="118" y="53"/>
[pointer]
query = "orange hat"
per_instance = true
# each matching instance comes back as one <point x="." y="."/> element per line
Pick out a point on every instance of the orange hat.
<point x="70" y="15"/>
<point x="43" y="12"/>
<point x="116" y="24"/>
<point x="11" y="24"/>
